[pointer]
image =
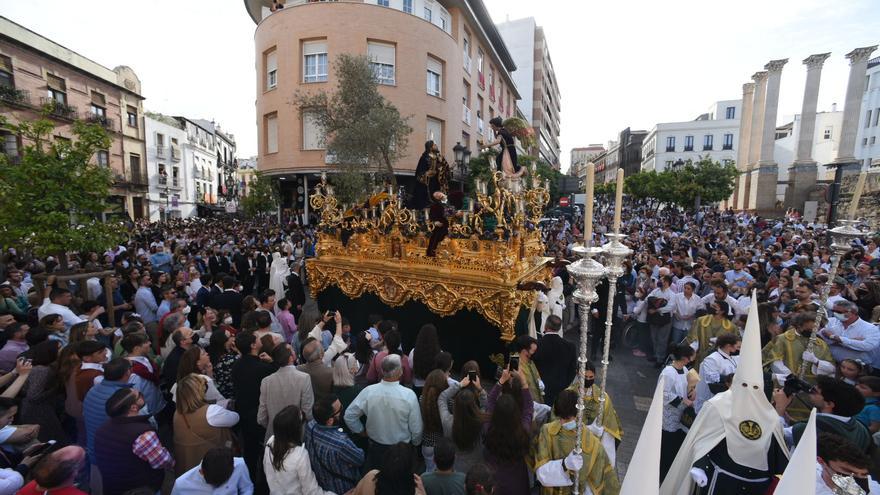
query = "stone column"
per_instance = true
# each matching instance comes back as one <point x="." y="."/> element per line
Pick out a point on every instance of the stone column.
<point x="755" y="132"/>
<point x="858" y="63"/>
<point x="755" y="135"/>
<point x="771" y="106"/>
<point x="803" y="173"/>
<point x="767" y="170"/>
<point x="742" y="156"/>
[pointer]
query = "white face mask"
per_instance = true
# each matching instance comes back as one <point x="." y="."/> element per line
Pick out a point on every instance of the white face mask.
<point x="227" y="320"/>
<point x="571" y="425"/>
<point x="185" y="310"/>
<point x="841" y="316"/>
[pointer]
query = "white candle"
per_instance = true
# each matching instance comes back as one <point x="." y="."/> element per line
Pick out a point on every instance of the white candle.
<point x="618" y="201"/>
<point x="588" y="205"/>
<point x="470" y="205"/>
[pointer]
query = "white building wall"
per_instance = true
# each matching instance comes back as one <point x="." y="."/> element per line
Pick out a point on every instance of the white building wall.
<point x="519" y="36"/>
<point x="202" y="155"/>
<point x="161" y="194"/>
<point x="868" y="140"/>
<point x="826" y="139"/>
<point x="655" y="156"/>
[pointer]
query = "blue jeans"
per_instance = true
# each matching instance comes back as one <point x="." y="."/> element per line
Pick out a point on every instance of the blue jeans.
<point x="678" y="334"/>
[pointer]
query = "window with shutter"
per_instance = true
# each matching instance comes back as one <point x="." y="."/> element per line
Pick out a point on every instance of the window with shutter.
<point x="271" y="69"/>
<point x="315" y="61"/>
<point x="382" y="59"/>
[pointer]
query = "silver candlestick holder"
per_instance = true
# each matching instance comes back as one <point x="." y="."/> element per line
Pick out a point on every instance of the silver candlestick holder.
<point x="587" y="273"/>
<point x="841" y="242"/>
<point x="615" y="254"/>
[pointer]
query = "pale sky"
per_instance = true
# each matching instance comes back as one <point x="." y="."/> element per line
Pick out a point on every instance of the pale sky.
<point x="618" y="63"/>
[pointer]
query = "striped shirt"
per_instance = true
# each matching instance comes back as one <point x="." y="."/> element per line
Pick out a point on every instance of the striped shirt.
<point x="335" y="459"/>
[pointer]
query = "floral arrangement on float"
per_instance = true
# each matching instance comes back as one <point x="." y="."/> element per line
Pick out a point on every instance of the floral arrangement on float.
<point x="521" y="130"/>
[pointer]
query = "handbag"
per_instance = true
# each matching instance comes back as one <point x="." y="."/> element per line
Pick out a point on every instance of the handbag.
<point x="688" y="415"/>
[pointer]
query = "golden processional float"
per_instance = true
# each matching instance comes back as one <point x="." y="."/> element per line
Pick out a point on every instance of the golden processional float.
<point x="379" y="247"/>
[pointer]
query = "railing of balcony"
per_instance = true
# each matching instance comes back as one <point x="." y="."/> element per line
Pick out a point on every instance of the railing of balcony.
<point x="466" y="114"/>
<point x="14" y="96"/>
<point x="58" y="109"/>
<point x="103" y="121"/>
<point x="138" y="177"/>
<point x="175" y="153"/>
<point x="160" y="151"/>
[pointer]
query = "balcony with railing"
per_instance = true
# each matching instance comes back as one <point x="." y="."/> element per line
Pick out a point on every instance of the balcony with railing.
<point x="163" y="179"/>
<point x="727" y="147"/>
<point x="8" y="94"/>
<point x="101" y="120"/>
<point x="707" y="147"/>
<point x="138" y="177"/>
<point x="467" y="62"/>
<point x="57" y="109"/>
<point x="175" y="153"/>
<point x="160" y="151"/>
<point x="480" y="127"/>
<point x="466" y="114"/>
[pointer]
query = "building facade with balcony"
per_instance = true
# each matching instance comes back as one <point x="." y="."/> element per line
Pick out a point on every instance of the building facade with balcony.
<point x="714" y="133"/>
<point x="580" y="157"/>
<point x="443" y="63"/>
<point x="171" y="184"/>
<point x="536" y="81"/>
<point x="199" y="152"/>
<point x="227" y="165"/>
<point x="38" y="74"/>
<point x="868" y="139"/>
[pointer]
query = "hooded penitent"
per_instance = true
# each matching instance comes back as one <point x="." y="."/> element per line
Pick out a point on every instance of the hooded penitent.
<point x="742" y="416"/>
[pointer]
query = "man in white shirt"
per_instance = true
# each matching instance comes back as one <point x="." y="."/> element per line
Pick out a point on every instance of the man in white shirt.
<point x="57" y="303"/>
<point x="218" y="474"/>
<point x="719" y="293"/>
<point x="834" y="296"/>
<point x="683" y="307"/>
<point x="849" y="336"/>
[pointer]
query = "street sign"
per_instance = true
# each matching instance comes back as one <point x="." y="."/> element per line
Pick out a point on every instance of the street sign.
<point x="563" y="201"/>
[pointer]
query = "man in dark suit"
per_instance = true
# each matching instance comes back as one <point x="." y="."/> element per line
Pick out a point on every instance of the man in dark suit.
<point x="556" y="359"/>
<point x="229" y="299"/>
<point x="295" y="294"/>
<point x="219" y="263"/>
<point x="242" y="264"/>
<point x="247" y="375"/>
<point x="262" y="272"/>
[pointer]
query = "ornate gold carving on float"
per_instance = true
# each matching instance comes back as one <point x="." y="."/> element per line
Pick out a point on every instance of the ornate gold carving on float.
<point x="474" y="268"/>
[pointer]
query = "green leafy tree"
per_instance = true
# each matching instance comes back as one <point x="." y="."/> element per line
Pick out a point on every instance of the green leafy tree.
<point x="480" y="167"/>
<point x="52" y="200"/>
<point x="705" y="180"/>
<point x="688" y="186"/>
<point x="605" y="189"/>
<point x="262" y="196"/>
<point x="364" y="134"/>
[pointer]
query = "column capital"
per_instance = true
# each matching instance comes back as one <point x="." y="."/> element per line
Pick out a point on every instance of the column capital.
<point x="759" y="76"/>
<point x="816" y="61"/>
<point x="860" y="54"/>
<point x="775" y="65"/>
<point x="748" y="88"/>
